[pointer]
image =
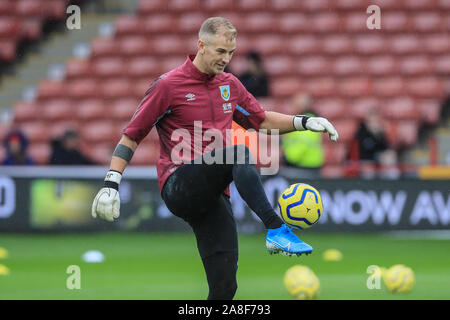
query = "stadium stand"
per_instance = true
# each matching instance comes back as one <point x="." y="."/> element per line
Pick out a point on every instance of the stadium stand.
<point x="22" y="20"/>
<point x="322" y="47"/>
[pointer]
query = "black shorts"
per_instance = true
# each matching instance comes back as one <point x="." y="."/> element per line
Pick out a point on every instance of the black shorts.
<point x="195" y="193"/>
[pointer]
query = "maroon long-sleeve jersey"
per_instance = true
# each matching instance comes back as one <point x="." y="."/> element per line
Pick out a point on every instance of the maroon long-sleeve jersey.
<point x="188" y="108"/>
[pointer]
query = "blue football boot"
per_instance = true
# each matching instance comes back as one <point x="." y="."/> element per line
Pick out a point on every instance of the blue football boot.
<point x="285" y="241"/>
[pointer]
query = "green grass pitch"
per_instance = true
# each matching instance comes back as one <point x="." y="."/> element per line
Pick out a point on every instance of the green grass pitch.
<point x="167" y="266"/>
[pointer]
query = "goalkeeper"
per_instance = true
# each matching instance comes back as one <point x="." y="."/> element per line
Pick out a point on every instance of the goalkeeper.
<point x="194" y="190"/>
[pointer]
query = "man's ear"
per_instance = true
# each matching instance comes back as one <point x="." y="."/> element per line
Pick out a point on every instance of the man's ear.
<point x="201" y="46"/>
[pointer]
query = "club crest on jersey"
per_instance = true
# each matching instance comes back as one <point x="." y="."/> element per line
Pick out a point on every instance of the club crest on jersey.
<point x="225" y="92"/>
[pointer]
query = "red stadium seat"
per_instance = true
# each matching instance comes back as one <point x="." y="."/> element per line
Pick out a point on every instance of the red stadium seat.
<point x="321" y="86"/>
<point x="134" y="46"/>
<point x="359" y="108"/>
<point x="159" y="23"/>
<point x="355" y="5"/>
<point x="31" y="28"/>
<point x="396" y="21"/>
<point x="312" y="66"/>
<point x="252" y="5"/>
<point x="348" y="65"/>
<point x="355" y="86"/>
<point x="337" y="44"/>
<point x="279" y="66"/>
<point x="441" y="4"/>
<point x="417" y="4"/>
<point x="92" y="109"/>
<point x="430" y="111"/>
<point x="428" y="22"/>
<point x="334" y="153"/>
<point x="402" y="133"/>
<point x="57" y="110"/>
<point x="355" y="22"/>
<point x="82" y="88"/>
<point x="184" y="5"/>
<point x="102" y="47"/>
<point x="303" y="44"/>
<point x="330" y="108"/>
<point x="191" y="22"/>
<point x="370" y="44"/>
<point x="40" y="152"/>
<point x="26" y="111"/>
<point x="171" y="63"/>
<point x="389" y="4"/>
<point x="128" y="25"/>
<point x="36" y="131"/>
<point x="56" y="9"/>
<point x="77" y="68"/>
<point x="100" y="132"/>
<point x="285" y="5"/>
<point x="260" y="22"/>
<point x="214" y="5"/>
<point x="402" y="108"/>
<point x="442" y="64"/>
<point x="269" y="45"/>
<point x="116" y="88"/>
<point x="152" y="6"/>
<point x="436" y="43"/>
<point x="51" y="89"/>
<point x="100" y="153"/>
<point x="7" y="7"/>
<point x="382" y="65"/>
<point x="30" y="9"/>
<point x="237" y="19"/>
<point x="425" y="87"/>
<point x="146" y="155"/>
<point x="294" y="23"/>
<point x="9" y="28"/>
<point x="123" y="109"/>
<point x="415" y="65"/>
<point x="7" y="50"/>
<point x="317" y="5"/>
<point x="286" y="86"/>
<point x="405" y="44"/>
<point x="168" y="45"/>
<point x="109" y="67"/>
<point x="144" y="67"/>
<point x="388" y="86"/>
<point x="346" y="129"/>
<point x="139" y="88"/>
<point x="326" y="22"/>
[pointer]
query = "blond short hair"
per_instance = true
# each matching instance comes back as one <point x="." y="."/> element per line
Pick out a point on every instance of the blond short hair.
<point x="217" y="25"/>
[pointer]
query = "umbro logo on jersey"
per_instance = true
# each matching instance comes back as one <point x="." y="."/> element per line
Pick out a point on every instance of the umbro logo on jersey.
<point x="190" y="97"/>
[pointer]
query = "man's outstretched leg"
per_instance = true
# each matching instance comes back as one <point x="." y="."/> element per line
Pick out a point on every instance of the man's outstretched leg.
<point x="280" y="237"/>
<point x="245" y="175"/>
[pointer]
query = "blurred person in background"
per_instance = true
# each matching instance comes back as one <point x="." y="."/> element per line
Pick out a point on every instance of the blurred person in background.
<point x="16" y="145"/>
<point x="254" y="78"/>
<point x="303" y="150"/>
<point x="66" y="150"/>
<point x="371" y="148"/>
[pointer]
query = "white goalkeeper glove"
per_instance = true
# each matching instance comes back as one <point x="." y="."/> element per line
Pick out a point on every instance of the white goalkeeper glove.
<point x="316" y="124"/>
<point x="107" y="201"/>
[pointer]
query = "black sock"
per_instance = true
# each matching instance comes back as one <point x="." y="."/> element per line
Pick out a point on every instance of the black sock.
<point x="248" y="183"/>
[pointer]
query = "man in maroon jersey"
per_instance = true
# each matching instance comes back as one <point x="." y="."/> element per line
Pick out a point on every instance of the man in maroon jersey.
<point x="199" y="98"/>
